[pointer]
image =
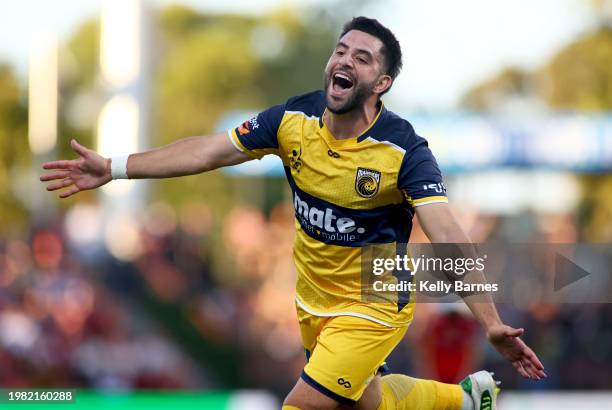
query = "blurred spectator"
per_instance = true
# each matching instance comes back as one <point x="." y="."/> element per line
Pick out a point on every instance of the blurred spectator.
<point x="72" y="317"/>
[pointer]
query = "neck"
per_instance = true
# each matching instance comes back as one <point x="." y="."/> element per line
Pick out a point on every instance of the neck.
<point x="351" y="124"/>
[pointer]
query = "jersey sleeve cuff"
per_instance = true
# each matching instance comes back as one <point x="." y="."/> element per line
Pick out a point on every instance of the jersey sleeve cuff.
<point x="231" y="133"/>
<point x="429" y="200"/>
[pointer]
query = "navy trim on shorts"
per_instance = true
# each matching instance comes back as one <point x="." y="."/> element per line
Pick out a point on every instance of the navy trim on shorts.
<point x="322" y="389"/>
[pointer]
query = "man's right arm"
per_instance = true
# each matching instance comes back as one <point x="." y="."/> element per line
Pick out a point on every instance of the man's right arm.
<point x="186" y="156"/>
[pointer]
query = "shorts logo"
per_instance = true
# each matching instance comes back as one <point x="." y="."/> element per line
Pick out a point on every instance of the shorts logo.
<point x="367" y="182"/>
<point x="345" y="383"/>
<point x="247" y="126"/>
<point x="333" y="154"/>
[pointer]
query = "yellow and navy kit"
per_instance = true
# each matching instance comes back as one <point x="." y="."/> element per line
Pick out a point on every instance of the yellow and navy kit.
<point x="347" y="194"/>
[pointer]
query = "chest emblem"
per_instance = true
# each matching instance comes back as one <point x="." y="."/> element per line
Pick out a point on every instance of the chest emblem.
<point x="367" y="182"/>
<point x="295" y="160"/>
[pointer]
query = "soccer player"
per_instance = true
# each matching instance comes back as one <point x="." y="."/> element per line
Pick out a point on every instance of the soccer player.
<point x="358" y="173"/>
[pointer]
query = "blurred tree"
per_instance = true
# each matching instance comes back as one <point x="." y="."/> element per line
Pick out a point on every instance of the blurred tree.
<point x="511" y="82"/>
<point x="578" y="77"/>
<point x="603" y="11"/>
<point x="294" y="53"/>
<point x="14" y="148"/>
<point x="85" y="51"/>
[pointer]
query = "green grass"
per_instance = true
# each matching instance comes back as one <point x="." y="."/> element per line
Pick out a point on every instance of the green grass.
<point x="140" y="400"/>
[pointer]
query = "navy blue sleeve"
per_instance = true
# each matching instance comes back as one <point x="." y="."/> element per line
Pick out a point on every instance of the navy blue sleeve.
<point x="258" y="136"/>
<point x="420" y="178"/>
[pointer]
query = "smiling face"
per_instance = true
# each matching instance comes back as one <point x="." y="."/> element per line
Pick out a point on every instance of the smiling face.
<point x="355" y="71"/>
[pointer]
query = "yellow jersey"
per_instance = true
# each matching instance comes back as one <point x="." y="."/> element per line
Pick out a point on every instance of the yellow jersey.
<point x="348" y="194"/>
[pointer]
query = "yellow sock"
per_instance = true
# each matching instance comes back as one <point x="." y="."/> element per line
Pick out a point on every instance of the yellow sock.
<point x="400" y="392"/>
<point x="287" y="407"/>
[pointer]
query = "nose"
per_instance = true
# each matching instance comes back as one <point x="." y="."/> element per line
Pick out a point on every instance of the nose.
<point x="345" y="61"/>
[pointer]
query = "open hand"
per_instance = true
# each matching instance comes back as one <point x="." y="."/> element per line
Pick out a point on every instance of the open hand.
<point x="507" y="341"/>
<point x="89" y="171"/>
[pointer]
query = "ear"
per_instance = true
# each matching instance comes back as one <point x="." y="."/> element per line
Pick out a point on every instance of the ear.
<point x="383" y="84"/>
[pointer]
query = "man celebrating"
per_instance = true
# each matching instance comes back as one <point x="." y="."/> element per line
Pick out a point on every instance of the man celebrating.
<point x="358" y="173"/>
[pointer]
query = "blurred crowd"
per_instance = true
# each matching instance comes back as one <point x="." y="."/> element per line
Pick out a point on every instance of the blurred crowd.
<point x="195" y="292"/>
<point x="61" y="326"/>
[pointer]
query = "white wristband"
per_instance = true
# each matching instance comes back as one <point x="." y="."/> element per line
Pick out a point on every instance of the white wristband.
<point x="119" y="167"/>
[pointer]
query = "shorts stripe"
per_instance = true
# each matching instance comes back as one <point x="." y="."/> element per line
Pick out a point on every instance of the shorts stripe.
<point x="336" y="314"/>
<point x="322" y="389"/>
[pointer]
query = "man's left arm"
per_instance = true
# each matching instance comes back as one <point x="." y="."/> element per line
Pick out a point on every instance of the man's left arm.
<point x="440" y="226"/>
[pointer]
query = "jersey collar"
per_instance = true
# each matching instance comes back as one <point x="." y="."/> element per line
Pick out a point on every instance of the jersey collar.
<point x="349" y="141"/>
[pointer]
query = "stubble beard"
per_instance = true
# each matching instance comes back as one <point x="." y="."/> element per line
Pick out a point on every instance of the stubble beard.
<point x="359" y="95"/>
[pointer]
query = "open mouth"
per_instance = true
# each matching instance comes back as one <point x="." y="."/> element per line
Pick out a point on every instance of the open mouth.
<point x="341" y="82"/>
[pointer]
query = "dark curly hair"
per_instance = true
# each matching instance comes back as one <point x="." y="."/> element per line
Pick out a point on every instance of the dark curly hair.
<point x="391" y="50"/>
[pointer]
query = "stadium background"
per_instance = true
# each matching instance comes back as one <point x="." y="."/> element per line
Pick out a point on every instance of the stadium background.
<point x="179" y="292"/>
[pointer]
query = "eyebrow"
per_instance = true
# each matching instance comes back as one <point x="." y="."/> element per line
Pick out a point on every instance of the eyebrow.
<point x="359" y="50"/>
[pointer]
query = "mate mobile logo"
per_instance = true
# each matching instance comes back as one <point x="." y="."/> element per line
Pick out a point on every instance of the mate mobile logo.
<point x="324" y="223"/>
<point x="367" y="182"/>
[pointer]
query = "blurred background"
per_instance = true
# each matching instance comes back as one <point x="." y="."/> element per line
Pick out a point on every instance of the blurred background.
<point x="186" y="286"/>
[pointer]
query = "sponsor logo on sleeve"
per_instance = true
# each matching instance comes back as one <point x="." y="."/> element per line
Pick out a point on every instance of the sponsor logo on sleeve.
<point x="438" y="188"/>
<point x="248" y="126"/>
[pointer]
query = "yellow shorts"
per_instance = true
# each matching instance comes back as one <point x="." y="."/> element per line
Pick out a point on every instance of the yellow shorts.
<point x="344" y="353"/>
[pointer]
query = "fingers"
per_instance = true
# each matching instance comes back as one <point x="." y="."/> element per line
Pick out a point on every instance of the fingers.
<point x="78" y="148"/>
<point x="533" y="359"/>
<point x="525" y="370"/>
<point x="61" y="184"/>
<point x="523" y="359"/>
<point x="61" y="164"/>
<point x="71" y="191"/>
<point x="519" y="368"/>
<point x="532" y="371"/>
<point x="65" y="163"/>
<point x="512" y="332"/>
<point x="529" y="369"/>
<point x="532" y="362"/>
<point x="55" y="175"/>
<point x="532" y="365"/>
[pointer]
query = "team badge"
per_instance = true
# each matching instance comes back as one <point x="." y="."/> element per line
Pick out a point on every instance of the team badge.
<point x="367" y="182"/>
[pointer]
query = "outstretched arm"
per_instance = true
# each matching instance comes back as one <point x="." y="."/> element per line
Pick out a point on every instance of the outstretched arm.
<point x="440" y="226"/>
<point x="186" y="156"/>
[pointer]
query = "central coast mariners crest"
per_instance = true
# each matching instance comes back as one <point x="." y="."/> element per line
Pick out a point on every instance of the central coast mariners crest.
<point x="367" y="182"/>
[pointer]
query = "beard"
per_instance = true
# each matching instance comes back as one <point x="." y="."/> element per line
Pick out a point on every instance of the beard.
<point x="358" y="96"/>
